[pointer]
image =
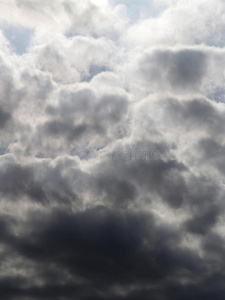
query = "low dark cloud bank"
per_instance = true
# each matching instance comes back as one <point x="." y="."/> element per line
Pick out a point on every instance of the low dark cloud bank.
<point x="112" y="150"/>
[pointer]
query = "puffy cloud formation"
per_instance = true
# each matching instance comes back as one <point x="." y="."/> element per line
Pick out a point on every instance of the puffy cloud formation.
<point x="112" y="149"/>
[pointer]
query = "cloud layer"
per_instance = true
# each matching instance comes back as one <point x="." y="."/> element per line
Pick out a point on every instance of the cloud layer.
<point x="112" y="150"/>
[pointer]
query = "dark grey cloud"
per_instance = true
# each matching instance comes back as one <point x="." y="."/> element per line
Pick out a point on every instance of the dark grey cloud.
<point x="41" y="183"/>
<point x="203" y="221"/>
<point x="83" y="116"/>
<point x="103" y="248"/>
<point x="180" y="71"/>
<point x="197" y="112"/>
<point x="4" y="118"/>
<point x="212" y="152"/>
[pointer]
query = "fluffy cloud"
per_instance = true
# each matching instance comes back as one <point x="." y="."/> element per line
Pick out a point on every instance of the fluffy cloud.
<point x="112" y="149"/>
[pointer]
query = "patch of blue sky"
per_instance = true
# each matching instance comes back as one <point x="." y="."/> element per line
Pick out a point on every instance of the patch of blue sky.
<point x="18" y="37"/>
<point x="4" y="150"/>
<point x="136" y="9"/>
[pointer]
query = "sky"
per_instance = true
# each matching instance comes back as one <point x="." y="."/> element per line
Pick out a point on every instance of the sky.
<point x="112" y="149"/>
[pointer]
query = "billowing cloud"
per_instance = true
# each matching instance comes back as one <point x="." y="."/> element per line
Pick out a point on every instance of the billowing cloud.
<point x="112" y="149"/>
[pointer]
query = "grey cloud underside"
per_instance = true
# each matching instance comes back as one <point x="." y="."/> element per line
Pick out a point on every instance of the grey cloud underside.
<point x="4" y="117"/>
<point x="112" y="149"/>
<point x="80" y="113"/>
<point x="182" y="70"/>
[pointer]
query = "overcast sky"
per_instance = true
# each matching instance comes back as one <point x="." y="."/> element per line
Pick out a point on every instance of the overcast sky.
<point x="112" y="150"/>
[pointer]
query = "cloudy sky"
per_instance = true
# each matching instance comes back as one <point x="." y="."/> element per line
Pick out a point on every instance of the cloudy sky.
<point x="112" y="149"/>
